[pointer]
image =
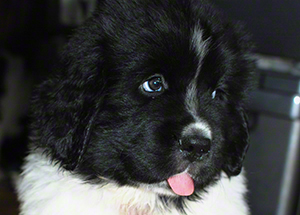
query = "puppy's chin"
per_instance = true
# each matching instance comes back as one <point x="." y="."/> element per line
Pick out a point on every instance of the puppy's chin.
<point x="160" y="188"/>
<point x="183" y="180"/>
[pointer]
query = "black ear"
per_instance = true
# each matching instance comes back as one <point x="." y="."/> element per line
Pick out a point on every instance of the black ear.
<point x="64" y="107"/>
<point x="237" y="144"/>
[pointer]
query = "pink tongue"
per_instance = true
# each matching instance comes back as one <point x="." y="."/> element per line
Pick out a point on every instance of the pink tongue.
<point x="182" y="184"/>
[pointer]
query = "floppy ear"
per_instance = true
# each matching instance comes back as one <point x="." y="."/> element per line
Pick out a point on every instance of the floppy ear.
<point x="64" y="107"/>
<point x="237" y="144"/>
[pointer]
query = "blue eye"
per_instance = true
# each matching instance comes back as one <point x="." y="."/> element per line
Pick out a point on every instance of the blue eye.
<point x="154" y="84"/>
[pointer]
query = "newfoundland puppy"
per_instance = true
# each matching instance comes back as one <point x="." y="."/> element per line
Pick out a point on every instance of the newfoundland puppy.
<point x="145" y="115"/>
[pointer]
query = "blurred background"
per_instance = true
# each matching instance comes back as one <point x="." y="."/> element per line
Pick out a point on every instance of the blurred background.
<point x="32" y="33"/>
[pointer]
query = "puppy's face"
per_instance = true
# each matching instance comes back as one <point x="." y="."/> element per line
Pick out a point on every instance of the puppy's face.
<point x="151" y="95"/>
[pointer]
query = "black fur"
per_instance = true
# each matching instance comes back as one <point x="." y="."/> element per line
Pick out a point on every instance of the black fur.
<point x="93" y="118"/>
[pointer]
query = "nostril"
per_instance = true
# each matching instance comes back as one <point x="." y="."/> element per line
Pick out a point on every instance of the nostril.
<point x="187" y="147"/>
<point x="205" y="148"/>
<point x="195" y="145"/>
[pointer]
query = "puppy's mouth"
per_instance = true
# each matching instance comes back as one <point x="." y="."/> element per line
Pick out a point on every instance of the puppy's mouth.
<point x="182" y="184"/>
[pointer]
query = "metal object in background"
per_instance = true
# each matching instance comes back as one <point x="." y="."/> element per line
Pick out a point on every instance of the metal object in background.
<point x="273" y="161"/>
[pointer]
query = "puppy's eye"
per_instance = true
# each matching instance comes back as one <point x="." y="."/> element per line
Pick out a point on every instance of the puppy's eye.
<point x="154" y="84"/>
<point x="213" y="95"/>
<point x="219" y="94"/>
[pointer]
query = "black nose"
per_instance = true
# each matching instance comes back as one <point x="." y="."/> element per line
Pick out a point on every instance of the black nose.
<point x="194" y="146"/>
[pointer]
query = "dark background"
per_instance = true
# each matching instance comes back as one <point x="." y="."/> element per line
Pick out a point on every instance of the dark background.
<point x="275" y="24"/>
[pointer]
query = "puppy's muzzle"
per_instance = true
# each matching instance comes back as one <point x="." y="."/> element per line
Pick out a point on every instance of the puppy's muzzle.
<point x="195" y="141"/>
<point x="194" y="146"/>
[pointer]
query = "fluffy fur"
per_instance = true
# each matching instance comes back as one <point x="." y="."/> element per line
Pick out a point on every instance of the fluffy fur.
<point x="145" y="90"/>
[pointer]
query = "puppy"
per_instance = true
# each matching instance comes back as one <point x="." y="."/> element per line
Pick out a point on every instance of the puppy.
<point x="145" y="115"/>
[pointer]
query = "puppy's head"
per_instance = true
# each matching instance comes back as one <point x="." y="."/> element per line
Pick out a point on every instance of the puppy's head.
<point x="149" y="94"/>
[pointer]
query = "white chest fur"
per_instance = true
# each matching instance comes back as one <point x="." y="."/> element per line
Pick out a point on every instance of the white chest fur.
<point x="44" y="190"/>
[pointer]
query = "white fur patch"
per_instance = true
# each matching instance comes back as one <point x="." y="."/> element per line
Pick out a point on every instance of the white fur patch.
<point x="192" y="102"/>
<point x="45" y="190"/>
<point x="201" y="48"/>
<point x="200" y="126"/>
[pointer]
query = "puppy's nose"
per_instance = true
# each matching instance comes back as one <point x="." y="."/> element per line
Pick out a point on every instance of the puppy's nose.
<point x="194" y="146"/>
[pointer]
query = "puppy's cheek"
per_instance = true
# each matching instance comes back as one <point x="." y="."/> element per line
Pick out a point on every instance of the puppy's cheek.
<point x="141" y="169"/>
<point x="237" y="145"/>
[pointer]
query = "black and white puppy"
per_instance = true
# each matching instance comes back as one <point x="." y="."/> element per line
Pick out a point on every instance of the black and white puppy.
<point x="144" y="115"/>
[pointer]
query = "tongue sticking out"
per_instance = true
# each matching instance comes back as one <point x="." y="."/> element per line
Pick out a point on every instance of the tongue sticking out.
<point x="182" y="184"/>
